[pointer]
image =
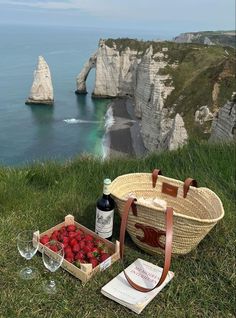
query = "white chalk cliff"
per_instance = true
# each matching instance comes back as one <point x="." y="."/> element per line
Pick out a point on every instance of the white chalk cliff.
<point x="224" y="124"/>
<point x="137" y="74"/>
<point x="42" y="90"/>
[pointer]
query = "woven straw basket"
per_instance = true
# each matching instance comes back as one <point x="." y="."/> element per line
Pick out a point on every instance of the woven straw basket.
<point x="195" y="210"/>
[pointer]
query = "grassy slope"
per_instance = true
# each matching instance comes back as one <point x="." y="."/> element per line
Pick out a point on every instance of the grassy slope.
<point x="40" y="196"/>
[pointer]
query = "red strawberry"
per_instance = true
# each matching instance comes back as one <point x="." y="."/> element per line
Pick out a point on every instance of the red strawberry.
<point x="78" y="231"/>
<point x="90" y="244"/>
<point x="69" y="259"/>
<point x="56" y="232"/>
<point x="95" y="251"/>
<point x="69" y="255"/>
<point x="65" y="240"/>
<point x="73" y="242"/>
<point x="64" y="232"/>
<point x="79" y="255"/>
<point x="99" y="243"/>
<point x="54" y="248"/>
<point x="89" y="255"/>
<point x="60" y="237"/>
<point x="82" y="244"/>
<point x="53" y="237"/>
<point x="86" y="249"/>
<point x="103" y="257"/>
<point x="44" y="239"/>
<point x="72" y="234"/>
<point x="93" y="261"/>
<point x="103" y="250"/>
<point x="76" y="248"/>
<point x="88" y="237"/>
<point x="71" y="228"/>
<point x="67" y="249"/>
<point x="78" y="237"/>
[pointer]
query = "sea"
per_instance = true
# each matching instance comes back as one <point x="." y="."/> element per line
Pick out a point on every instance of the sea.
<point x="76" y="124"/>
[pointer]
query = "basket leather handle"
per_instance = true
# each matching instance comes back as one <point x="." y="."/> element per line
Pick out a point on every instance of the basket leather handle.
<point x="155" y="175"/>
<point x="187" y="183"/>
<point x="168" y="244"/>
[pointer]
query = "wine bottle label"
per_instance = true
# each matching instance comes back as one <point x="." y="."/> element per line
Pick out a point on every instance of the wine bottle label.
<point x="104" y="223"/>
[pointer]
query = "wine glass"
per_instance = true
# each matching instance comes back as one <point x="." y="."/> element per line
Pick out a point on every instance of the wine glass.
<point x="27" y="244"/>
<point x="53" y="255"/>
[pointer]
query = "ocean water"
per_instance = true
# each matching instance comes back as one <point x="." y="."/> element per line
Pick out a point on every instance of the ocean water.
<point x="75" y="124"/>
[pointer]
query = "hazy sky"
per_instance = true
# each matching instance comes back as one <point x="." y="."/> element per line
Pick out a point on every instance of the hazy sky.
<point x="170" y="16"/>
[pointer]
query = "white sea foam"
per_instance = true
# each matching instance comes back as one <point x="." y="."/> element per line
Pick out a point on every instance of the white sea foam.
<point x="80" y="121"/>
<point x="109" y="121"/>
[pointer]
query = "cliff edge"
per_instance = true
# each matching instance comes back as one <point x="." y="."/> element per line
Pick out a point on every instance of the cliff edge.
<point x="169" y="82"/>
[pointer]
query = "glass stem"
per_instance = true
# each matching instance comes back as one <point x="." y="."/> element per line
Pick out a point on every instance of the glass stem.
<point x="52" y="283"/>
<point x="28" y="270"/>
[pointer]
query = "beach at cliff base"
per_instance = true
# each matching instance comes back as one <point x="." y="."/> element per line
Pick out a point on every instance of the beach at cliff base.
<point x="123" y="136"/>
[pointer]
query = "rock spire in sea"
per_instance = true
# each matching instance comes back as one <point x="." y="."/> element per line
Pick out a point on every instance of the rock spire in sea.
<point x="42" y="90"/>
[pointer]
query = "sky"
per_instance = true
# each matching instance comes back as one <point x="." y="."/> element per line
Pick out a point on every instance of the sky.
<point x="164" y="16"/>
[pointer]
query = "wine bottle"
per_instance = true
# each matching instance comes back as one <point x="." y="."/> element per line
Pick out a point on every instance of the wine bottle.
<point x="105" y="213"/>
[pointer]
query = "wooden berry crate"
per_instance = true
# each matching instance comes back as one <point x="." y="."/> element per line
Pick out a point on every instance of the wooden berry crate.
<point x="86" y="271"/>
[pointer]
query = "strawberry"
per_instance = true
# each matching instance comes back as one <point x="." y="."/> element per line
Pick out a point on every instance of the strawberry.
<point x="95" y="251"/>
<point x="69" y="255"/>
<point x="78" y="262"/>
<point x="104" y="256"/>
<point x="78" y="231"/>
<point x="103" y="250"/>
<point x="69" y="259"/>
<point x="53" y="237"/>
<point x="93" y="261"/>
<point x="76" y="248"/>
<point x="54" y="248"/>
<point x="90" y="244"/>
<point x="86" y="249"/>
<point x="78" y="237"/>
<point x="44" y="239"/>
<point x="56" y="232"/>
<point x="89" y="255"/>
<point x="65" y="240"/>
<point x="80" y="255"/>
<point x="73" y="242"/>
<point x="71" y="228"/>
<point x="82" y="244"/>
<point x="72" y="234"/>
<point x="67" y="249"/>
<point x="100" y="244"/>
<point x="88" y="237"/>
<point x="60" y="237"/>
<point x="63" y="232"/>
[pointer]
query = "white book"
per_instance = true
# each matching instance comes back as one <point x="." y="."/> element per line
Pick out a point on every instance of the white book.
<point x="142" y="273"/>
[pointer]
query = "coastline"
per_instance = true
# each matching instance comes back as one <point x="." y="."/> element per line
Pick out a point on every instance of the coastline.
<point x="123" y="137"/>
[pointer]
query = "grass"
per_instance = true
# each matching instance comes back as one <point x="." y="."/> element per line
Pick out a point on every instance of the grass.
<point x="40" y="195"/>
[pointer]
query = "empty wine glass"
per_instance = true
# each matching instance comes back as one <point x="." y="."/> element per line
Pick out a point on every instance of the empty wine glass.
<point x="27" y="244"/>
<point x="53" y="255"/>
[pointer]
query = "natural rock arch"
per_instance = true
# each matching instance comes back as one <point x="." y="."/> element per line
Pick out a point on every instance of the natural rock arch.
<point x="82" y="77"/>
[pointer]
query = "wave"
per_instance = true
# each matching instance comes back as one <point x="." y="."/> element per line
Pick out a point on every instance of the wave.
<point x="106" y="142"/>
<point x="80" y="121"/>
<point x="109" y="119"/>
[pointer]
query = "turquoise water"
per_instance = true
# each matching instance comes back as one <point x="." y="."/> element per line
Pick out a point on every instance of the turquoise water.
<point x="29" y="133"/>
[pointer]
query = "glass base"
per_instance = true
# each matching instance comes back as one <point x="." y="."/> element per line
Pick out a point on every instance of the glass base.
<point x="49" y="287"/>
<point x="28" y="273"/>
